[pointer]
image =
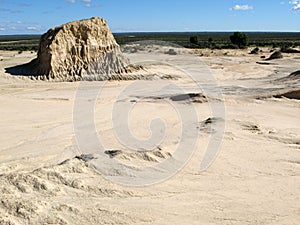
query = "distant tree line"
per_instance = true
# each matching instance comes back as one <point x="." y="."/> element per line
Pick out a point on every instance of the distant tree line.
<point x="16" y="47"/>
<point x="212" y="40"/>
<point x="238" y="40"/>
<point x="241" y="40"/>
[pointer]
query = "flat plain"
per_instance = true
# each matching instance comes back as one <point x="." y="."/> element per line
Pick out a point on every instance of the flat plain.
<point x="254" y="178"/>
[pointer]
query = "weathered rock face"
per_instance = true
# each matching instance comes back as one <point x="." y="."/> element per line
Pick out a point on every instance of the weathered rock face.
<point x="80" y="50"/>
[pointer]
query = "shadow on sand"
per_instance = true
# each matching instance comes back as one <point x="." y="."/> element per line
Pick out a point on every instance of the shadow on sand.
<point x="31" y="69"/>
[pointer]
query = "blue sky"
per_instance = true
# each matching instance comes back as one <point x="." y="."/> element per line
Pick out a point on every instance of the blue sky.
<point x="37" y="16"/>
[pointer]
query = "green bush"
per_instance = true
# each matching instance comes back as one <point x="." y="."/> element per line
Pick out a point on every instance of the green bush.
<point x="194" y="40"/>
<point x="240" y="39"/>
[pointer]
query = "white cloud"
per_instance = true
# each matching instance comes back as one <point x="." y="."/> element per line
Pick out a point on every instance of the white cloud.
<point x="32" y="28"/>
<point x="294" y="2"/>
<point x="92" y="5"/>
<point x="242" y="7"/>
<point x="2" y="29"/>
<point x="10" y="10"/>
<point x="297" y="7"/>
<point x="87" y="3"/>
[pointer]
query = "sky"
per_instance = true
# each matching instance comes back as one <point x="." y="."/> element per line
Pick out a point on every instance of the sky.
<point x="37" y="16"/>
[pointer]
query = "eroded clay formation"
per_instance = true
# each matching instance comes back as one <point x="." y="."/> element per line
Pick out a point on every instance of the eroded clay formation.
<point x="80" y="50"/>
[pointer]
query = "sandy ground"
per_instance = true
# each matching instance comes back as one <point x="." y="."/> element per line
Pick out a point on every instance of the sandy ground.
<point x="253" y="180"/>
